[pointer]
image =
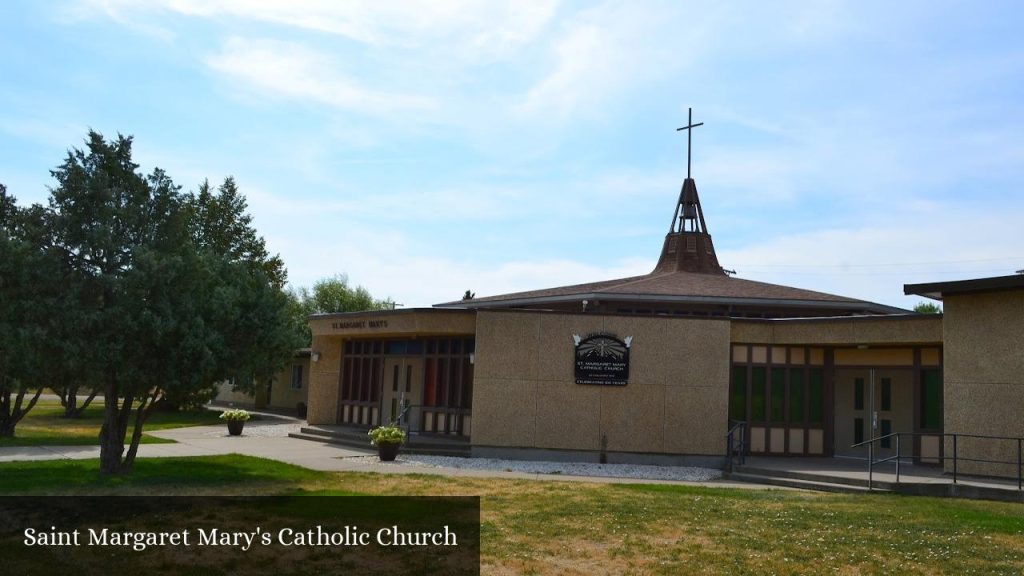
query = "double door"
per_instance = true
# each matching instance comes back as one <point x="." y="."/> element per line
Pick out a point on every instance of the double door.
<point x="872" y="403"/>
<point x="403" y="386"/>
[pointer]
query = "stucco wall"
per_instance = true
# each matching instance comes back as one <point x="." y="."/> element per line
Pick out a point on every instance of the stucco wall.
<point x="984" y="375"/>
<point x="282" y="395"/>
<point x="841" y="331"/>
<point x="525" y="395"/>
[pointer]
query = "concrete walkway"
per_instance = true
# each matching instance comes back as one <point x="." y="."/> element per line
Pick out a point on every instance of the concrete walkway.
<point x="261" y="439"/>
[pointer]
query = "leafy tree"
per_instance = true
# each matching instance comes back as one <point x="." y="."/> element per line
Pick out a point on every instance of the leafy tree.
<point x="328" y="296"/>
<point x="927" y="308"/>
<point x="175" y="292"/>
<point x="469" y="295"/>
<point x="19" y="335"/>
<point x="219" y="223"/>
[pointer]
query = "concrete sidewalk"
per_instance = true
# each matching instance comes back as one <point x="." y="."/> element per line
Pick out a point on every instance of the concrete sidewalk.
<point x="213" y="440"/>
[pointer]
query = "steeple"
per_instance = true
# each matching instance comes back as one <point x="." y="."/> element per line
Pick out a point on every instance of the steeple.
<point x="688" y="246"/>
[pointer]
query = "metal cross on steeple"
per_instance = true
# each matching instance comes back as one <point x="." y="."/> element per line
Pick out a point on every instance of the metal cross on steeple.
<point x="689" y="139"/>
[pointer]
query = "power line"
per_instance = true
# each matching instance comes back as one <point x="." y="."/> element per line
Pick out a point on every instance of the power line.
<point x="879" y="265"/>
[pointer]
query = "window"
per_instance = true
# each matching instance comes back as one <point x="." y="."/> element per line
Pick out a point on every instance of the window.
<point x="858" y="430"/>
<point x="931" y="400"/>
<point x="796" y="395"/>
<point x="816" y="395"/>
<point x="887" y="394"/>
<point x="886" y="430"/>
<point x="778" y="394"/>
<point x="757" y="394"/>
<point x="858" y="394"/>
<point x="738" y="395"/>
<point x="297" y="377"/>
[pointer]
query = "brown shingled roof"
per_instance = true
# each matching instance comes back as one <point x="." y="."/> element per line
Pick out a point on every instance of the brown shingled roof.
<point x="671" y="284"/>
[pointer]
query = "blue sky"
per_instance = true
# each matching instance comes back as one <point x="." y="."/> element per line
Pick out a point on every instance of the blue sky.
<point x="427" y="148"/>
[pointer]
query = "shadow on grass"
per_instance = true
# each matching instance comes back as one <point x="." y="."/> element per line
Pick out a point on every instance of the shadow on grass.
<point x="77" y="476"/>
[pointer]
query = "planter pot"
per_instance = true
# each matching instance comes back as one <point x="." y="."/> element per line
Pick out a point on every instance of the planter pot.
<point x="387" y="452"/>
<point x="235" y="427"/>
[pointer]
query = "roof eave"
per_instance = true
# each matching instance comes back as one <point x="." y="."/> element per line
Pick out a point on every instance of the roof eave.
<point x="834" y="304"/>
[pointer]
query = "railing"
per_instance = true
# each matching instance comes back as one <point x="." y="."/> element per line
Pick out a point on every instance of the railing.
<point x="434" y="420"/>
<point x="734" y="447"/>
<point x="956" y="458"/>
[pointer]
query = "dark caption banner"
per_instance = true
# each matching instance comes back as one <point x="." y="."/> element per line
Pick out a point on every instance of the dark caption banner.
<point x="255" y="536"/>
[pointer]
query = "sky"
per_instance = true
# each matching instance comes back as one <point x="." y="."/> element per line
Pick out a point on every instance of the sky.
<point x="427" y="148"/>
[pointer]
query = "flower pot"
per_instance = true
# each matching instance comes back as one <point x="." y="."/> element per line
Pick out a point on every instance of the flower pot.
<point x="235" y="427"/>
<point x="387" y="452"/>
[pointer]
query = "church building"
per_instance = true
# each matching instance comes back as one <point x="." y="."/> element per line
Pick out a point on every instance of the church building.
<point x="658" y="368"/>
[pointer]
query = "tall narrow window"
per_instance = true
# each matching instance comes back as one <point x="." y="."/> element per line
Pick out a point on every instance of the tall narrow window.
<point x="738" y="394"/>
<point x="778" y="409"/>
<point x="816" y="395"/>
<point x="887" y="394"/>
<point x="297" y="376"/>
<point x="796" y="395"/>
<point x="931" y="400"/>
<point x="886" y="429"/>
<point x="858" y="430"/>
<point x="858" y="394"/>
<point x="757" y="377"/>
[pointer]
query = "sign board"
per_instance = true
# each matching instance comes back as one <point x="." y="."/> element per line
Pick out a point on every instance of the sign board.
<point x="602" y="359"/>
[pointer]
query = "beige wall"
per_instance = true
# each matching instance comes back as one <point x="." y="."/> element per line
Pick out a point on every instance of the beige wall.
<point x="394" y="323"/>
<point x="525" y="395"/>
<point x="841" y="331"/>
<point x="984" y="375"/>
<point x="282" y="395"/>
<point x="324" y="379"/>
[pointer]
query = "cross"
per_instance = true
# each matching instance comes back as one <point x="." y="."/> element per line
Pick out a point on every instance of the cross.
<point x="689" y="139"/>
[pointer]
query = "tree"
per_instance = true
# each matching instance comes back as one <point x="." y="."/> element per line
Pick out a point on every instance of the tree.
<point x="469" y="295"/>
<point x="927" y="308"/>
<point x="331" y="295"/>
<point x="174" y="293"/>
<point x="219" y="223"/>
<point x="19" y="334"/>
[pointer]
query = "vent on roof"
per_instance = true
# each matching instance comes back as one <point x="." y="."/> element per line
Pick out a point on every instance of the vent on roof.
<point x="707" y="246"/>
<point x="691" y="243"/>
<point x="673" y="243"/>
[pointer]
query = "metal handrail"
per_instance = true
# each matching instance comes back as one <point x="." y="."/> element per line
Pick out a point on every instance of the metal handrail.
<point x="731" y="446"/>
<point x="956" y="457"/>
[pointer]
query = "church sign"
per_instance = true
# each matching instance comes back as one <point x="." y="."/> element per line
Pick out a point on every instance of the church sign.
<point x="602" y="359"/>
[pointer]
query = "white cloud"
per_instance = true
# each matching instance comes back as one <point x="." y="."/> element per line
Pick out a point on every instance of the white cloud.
<point x="480" y="29"/>
<point x="604" y="52"/>
<point x="290" y="70"/>
<point x="873" y="262"/>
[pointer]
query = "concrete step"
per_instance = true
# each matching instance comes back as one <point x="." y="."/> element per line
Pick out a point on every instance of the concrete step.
<point x="816" y="485"/>
<point x="812" y="477"/>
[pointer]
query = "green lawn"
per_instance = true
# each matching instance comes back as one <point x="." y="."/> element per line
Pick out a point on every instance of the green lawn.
<point x="45" y="425"/>
<point x="559" y="527"/>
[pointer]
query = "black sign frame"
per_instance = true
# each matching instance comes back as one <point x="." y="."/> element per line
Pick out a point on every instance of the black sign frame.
<point x="602" y="359"/>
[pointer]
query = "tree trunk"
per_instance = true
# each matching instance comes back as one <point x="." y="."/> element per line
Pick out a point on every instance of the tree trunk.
<point x="115" y="423"/>
<point x="72" y="409"/>
<point x="145" y="408"/>
<point x="12" y="413"/>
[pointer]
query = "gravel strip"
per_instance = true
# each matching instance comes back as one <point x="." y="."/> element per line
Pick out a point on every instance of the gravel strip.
<point x="635" y="471"/>
<point x="261" y="429"/>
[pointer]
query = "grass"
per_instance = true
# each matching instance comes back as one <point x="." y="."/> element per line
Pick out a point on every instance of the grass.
<point x="559" y="527"/>
<point x="45" y="425"/>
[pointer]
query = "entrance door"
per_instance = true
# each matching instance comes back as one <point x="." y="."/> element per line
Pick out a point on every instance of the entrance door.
<point x="403" y="381"/>
<point x="871" y="403"/>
